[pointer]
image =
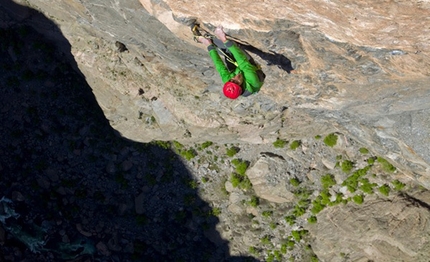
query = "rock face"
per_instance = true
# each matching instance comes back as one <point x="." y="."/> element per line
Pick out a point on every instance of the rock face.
<point x="362" y="68"/>
<point x="267" y="182"/>
<point x="374" y="231"/>
<point x="400" y="25"/>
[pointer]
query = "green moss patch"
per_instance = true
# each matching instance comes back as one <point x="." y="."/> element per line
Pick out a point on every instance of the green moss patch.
<point x="295" y="144"/>
<point x="279" y="143"/>
<point x="330" y="140"/>
<point x="384" y="189"/>
<point x="328" y="181"/>
<point x="386" y="166"/>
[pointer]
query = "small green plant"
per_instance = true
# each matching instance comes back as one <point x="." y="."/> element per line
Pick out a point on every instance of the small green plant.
<point x="98" y="195"/>
<point x="235" y="179"/>
<point x="223" y="189"/>
<point x="291" y="220"/>
<point x="121" y="180"/>
<point x="241" y="181"/>
<point x="327" y="181"/>
<point x="236" y="162"/>
<point x="352" y="181"/>
<point x="12" y="81"/>
<point x="330" y="140"/>
<point x="299" y="211"/>
<point x="358" y="199"/>
<point x="324" y="197"/>
<point x="371" y="161"/>
<point x="364" y="151"/>
<point x="294" y="182"/>
<point x="384" y="189"/>
<point x="192" y="184"/>
<point x="339" y="199"/>
<point x="302" y="193"/>
<point x="205" y="179"/>
<point x="150" y="179"/>
<point x="189" y="199"/>
<point x="81" y="193"/>
<point x="279" y="143"/>
<point x="245" y="184"/>
<point x="386" y="166"/>
<point x="317" y="137"/>
<point x="216" y="211"/>
<point x="347" y="166"/>
<point x="265" y="240"/>
<point x="188" y="154"/>
<point x="139" y="248"/>
<point x="23" y="31"/>
<point x="290" y="243"/>
<point x="254" y="202"/>
<point x="253" y="250"/>
<point x="295" y="144"/>
<point x="278" y="255"/>
<point x="162" y="144"/>
<point x="284" y="248"/>
<point x="207" y="144"/>
<point x="232" y="151"/>
<point x="27" y="75"/>
<point x="273" y="225"/>
<point x="366" y="186"/>
<point x="241" y="166"/>
<point x="398" y="185"/>
<point x="317" y="207"/>
<point x="312" y="219"/>
<point x="178" y="146"/>
<point x="267" y="213"/>
<point x="141" y="219"/>
<point x="298" y="234"/>
<point x="304" y="203"/>
<point x="320" y="202"/>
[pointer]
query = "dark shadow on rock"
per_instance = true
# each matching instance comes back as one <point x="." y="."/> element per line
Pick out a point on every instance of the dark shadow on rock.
<point x="272" y="58"/>
<point x="71" y="187"/>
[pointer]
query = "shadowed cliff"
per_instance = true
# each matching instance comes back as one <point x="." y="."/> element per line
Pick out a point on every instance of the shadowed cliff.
<point x="72" y="187"/>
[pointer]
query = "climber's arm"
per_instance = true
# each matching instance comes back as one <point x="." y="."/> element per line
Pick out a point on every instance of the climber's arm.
<point x="219" y="64"/>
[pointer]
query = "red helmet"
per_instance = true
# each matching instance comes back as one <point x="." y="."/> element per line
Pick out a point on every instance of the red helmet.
<point x="232" y="90"/>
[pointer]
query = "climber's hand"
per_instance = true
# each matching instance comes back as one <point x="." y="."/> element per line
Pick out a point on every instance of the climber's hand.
<point x="219" y="32"/>
<point x="205" y="41"/>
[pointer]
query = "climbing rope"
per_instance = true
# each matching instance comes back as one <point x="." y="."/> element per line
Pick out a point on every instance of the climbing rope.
<point x="196" y="31"/>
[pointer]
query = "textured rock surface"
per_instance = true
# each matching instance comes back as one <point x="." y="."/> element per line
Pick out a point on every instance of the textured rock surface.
<point x="375" y="232"/>
<point x="362" y="69"/>
<point x="269" y="180"/>
<point x="363" y="23"/>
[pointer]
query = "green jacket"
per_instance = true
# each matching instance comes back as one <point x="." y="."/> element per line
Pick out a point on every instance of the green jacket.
<point x="251" y="82"/>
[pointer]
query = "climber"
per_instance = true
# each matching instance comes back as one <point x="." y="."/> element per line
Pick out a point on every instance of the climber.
<point x="240" y="76"/>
